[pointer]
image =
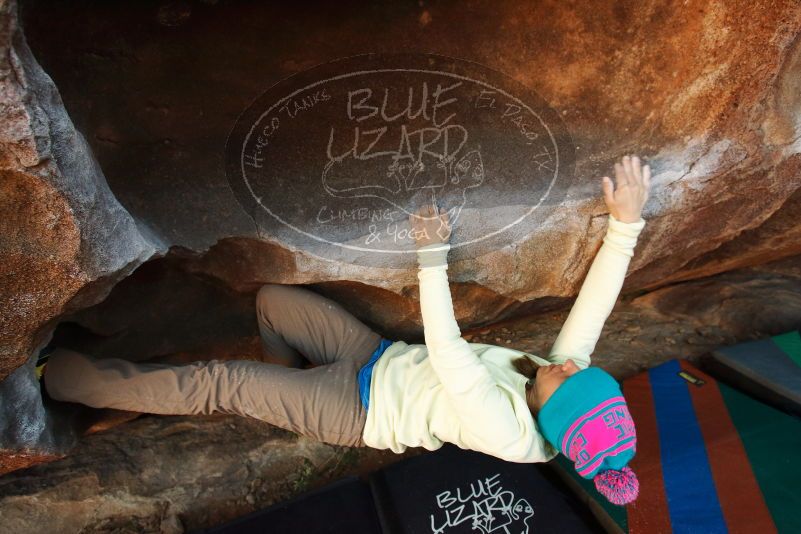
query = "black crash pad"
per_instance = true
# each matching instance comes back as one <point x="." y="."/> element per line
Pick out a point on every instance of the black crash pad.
<point x="452" y="491"/>
<point x="344" y="507"/>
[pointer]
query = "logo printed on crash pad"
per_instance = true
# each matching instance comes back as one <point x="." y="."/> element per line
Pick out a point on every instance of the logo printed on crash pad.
<point x="484" y="505"/>
<point x="333" y="160"/>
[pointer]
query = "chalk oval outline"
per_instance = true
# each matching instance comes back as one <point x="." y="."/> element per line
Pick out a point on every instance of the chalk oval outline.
<point x="417" y="56"/>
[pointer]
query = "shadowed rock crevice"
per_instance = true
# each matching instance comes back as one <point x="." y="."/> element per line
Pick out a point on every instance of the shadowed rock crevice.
<point x="183" y="303"/>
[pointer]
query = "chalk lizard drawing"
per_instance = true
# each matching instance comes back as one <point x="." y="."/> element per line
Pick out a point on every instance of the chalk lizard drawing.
<point x="407" y="178"/>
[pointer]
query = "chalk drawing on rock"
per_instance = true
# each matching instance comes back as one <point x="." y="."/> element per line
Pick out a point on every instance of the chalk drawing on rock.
<point x="407" y="177"/>
<point x="333" y="160"/>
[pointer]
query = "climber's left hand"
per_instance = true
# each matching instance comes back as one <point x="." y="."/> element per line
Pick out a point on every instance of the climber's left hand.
<point x="628" y="196"/>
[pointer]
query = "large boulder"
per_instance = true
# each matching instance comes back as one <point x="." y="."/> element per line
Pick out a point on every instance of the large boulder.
<point x="707" y="91"/>
<point x="129" y="482"/>
<point x="62" y="229"/>
<point x="64" y="237"/>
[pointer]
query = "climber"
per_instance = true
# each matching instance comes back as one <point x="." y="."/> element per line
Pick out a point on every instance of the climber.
<point x="368" y="390"/>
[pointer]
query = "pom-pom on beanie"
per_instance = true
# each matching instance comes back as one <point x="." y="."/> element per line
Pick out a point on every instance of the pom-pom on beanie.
<point x="587" y="419"/>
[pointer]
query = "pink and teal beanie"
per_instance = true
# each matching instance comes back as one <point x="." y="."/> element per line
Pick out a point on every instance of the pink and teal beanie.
<point x="587" y="419"/>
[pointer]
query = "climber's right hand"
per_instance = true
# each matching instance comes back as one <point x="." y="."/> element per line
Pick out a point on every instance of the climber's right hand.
<point x="430" y="225"/>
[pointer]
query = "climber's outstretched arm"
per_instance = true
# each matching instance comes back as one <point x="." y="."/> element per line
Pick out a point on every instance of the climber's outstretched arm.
<point x="485" y="411"/>
<point x="601" y="287"/>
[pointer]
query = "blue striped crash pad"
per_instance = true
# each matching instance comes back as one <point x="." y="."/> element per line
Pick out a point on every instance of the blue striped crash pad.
<point x="710" y="459"/>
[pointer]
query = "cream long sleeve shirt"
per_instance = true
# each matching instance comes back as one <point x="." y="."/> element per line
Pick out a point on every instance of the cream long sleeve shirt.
<point x="469" y="394"/>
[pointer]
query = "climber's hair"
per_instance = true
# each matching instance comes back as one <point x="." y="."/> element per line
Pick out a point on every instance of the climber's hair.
<point x="526" y="366"/>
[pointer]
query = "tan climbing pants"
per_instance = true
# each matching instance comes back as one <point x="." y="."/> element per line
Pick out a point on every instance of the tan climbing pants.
<point x="321" y="402"/>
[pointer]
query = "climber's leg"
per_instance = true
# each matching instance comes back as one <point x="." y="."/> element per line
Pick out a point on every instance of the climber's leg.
<point x="322" y="403"/>
<point x="294" y="319"/>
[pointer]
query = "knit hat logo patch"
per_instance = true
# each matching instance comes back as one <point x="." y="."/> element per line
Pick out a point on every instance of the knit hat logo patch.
<point x="606" y="430"/>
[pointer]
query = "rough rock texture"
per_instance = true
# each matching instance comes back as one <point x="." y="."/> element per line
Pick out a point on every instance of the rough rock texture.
<point x="707" y="90"/>
<point x="781" y="231"/>
<point x="64" y="238"/>
<point x="62" y="228"/>
<point x="120" y="481"/>
<point x="682" y="320"/>
<point x="127" y="480"/>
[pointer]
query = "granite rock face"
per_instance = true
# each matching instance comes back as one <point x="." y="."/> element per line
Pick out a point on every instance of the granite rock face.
<point x="707" y="91"/>
<point x="65" y="239"/>
<point x="119" y="481"/>
<point x="62" y="228"/>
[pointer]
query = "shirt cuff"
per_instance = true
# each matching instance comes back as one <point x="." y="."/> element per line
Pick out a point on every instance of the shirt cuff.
<point x="433" y="255"/>
<point x="623" y="236"/>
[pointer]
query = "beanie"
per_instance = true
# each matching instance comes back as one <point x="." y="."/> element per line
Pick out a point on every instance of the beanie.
<point x="587" y="419"/>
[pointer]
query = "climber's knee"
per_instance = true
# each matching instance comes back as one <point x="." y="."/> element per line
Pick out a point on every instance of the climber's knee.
<point x="265" y="300"/>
